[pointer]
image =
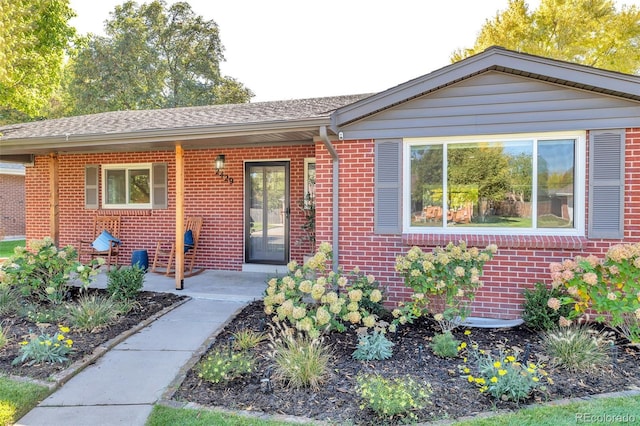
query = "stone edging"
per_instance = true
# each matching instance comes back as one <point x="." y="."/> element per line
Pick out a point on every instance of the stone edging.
<point x="59" y="379"/>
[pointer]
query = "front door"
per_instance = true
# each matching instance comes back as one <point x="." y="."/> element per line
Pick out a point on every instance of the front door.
<point x="267" y="212"/>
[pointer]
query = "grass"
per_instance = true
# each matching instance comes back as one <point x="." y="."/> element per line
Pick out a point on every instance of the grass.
<point x="6" y="247"/>
<point x="163" y="416"/>
<point x="17" y="398"/>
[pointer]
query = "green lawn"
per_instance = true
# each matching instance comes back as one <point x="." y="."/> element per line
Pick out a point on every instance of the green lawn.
<point x="6" y="247"/>
<point x="17" y="398"/>
<point x="600" y="410"/>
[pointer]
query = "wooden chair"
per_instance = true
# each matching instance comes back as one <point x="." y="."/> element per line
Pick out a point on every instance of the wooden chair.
<point x="111" y="224"/>
<point x="164" y="257"/>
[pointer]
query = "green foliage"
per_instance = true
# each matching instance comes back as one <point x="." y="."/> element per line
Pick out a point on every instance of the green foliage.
<point x="374" y="346"/>
<point x="9" y="300"/>
<point x="314" y="299"/>
<point x="503" y="377"/>
<point x="163" y="416"/>
<point x="223" y="366"/>
<point x="36" y="36"/>
<point x="610" y="287"/>
<point x="7" y="247"/>
<point x="45" y="348"/>
<point x="444" y="282"/>
<point x="390" y="398"/>
<point x="445" y="345"/>
<point x="39" y="313"/>
<point x="606" y="38"/>
<point x="44" y="272"/>
<point x="125" y="283"/>
<point x="17" y="398"/>
<point x="299" y="360"/>
<point x="577" y="348"/>
<point x="536" y="314"/>
<point x="153" y="56"/>
<point x="91" y="313"/>
<point x="4" y="339"/>
<point x="244" y="340"/>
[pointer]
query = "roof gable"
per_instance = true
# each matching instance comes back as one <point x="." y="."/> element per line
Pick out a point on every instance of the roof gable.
<point x="493" y="59"/>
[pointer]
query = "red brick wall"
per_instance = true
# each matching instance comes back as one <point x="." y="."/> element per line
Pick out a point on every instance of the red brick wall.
<point x="12" y="205"/>
<point x="220" y="204"/>
<point x="520" y="263"/>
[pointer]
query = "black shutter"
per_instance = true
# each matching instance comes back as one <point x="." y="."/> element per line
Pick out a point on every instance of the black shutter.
<point x="606" y="184"/>
<point x="388" y="187"/>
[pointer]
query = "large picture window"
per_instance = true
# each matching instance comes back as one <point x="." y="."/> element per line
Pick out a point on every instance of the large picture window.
<point x="511" y="184"/>
<point x="127" y="186"/>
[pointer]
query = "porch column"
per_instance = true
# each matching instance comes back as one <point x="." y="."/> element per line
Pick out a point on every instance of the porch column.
<point x="54" y="199"/>
<point x="179" y="217"/>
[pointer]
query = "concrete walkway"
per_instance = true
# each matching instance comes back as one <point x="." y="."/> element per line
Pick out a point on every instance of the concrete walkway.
<point x="121" y="387"/>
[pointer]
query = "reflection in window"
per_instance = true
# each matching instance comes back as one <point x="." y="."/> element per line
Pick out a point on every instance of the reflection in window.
<point x="493" y="184"/>
<point x="127" y="187"/>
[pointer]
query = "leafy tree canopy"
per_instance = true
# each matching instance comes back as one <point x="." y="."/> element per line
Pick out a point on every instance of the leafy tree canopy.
<point x="153" y="56"/>
<point x="34" y="38"/>
<point x="590" y="32"/>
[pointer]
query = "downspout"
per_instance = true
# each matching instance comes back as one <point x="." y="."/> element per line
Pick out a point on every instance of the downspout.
<point x="335" y="227"/>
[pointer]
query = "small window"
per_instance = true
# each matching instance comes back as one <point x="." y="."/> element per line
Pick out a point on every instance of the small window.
<point x="127" y="186"/>
<point x="524" y="184"/>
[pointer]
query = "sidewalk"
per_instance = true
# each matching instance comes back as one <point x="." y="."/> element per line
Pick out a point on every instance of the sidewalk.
<point x="123" y="385"/>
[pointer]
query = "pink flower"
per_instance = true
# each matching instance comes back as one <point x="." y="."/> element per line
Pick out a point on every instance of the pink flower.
<point x="555" y="267"/>
<point x="553" y="303"/>
<point x="590" y="278"/>
<point x="564" y="322"/>
<point x="567" y="275"/>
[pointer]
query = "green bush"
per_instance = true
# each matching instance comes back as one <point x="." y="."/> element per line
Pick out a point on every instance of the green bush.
<point x="39" y="313"/>
<point x="445" y="345"/>
<point x="374" y="346"/>
<point x="536" y="314"/>
<point x="577" y="348"/>
<point x="224" y="366"/>
<point x="300" y="360"/>
<point x="45" y="348"/>
<point x="389" y="398"/>
<point x="91" y="313"/>
<point x="125" y="283"/>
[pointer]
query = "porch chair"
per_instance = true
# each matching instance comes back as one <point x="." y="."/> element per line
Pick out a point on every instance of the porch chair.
<point x="106" y="240"/>
<point x="164" y="257"/>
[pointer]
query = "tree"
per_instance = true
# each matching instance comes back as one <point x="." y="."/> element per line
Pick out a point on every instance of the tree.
<point x="34" y="38"/>
<point x="153" y="57"/>
<point x="590" y="32"/>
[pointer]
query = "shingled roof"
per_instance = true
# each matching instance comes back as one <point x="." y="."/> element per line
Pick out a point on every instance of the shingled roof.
<point x="110" y="123"/>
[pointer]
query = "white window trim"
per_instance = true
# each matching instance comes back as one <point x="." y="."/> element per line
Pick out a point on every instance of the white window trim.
<point x="126" y="167"/>
<point x="579" y="194"/>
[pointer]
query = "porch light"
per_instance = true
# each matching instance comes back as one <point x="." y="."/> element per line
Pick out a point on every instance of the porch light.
<point x="220" y="162"/>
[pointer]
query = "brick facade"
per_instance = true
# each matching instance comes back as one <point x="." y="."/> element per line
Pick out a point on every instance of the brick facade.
<point x="12" y="205"/>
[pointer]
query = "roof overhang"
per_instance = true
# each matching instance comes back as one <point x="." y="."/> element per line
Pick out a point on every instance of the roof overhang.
<point x="493" y="59"/>
<point x="193" y="137"/>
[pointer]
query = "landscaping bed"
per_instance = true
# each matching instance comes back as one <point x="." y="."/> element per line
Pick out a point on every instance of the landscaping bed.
<point x="453" y="396"/>
<point x="19" y="329"/>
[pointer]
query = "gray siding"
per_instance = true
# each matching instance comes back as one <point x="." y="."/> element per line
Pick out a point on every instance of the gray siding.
<point x="498" y="103"/>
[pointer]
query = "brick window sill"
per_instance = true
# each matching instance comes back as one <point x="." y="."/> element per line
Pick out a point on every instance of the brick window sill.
<point x="502" y="241"/>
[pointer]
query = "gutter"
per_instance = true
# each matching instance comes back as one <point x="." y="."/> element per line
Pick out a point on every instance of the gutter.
<point x="336" y="169"/>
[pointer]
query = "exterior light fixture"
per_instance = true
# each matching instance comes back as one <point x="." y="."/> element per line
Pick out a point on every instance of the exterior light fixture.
<point x="220" y="162"/>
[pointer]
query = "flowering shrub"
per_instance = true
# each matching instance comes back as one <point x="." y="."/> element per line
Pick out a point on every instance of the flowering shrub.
<point x="392" y="397"/>
<point x="223" y="366"/>
<point x="46" y="348"/>
<point x="609" y="287"/>
<point x="44" y="272"/>
<point x="313" y="299"/>
<point x="504" y="377"/>
<point x="444" y="282"/>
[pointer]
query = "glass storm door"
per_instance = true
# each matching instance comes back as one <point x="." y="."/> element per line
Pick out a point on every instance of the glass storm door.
<point x="267" y="212"/>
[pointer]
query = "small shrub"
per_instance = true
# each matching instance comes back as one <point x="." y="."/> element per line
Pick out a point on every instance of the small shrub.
<point x="445" y="345"/>
<point x="126" y="282"/>
<point x="374" y="346"/>
<point x="91" y="313"/>
<point x="300" y="360"/>
<point x="577" y="348"/>
<point x="9" y="301"/>
<point x="247" y="339"/>
<point x="392" y="397"/>
<point x="224" y="366"/>
<point x="46" y="348"/>
<point x="38" y="313"/>
<point x="504" y="377"/>
<point x="536" y="313"/>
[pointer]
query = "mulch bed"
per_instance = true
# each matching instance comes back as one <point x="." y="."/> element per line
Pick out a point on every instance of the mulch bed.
<point x="84" y="343"/>
<point x="453" y="397"/>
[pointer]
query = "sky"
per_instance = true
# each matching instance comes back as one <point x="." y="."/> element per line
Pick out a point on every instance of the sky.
<point x="295" y="49"/>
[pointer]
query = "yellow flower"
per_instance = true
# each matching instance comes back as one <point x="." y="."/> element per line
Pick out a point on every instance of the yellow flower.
<point x="494" y="379"/>
<point x="64" y="329"/>
<point x="467" y="332"/>
<point x="463" y="345"/>
<point x="466" y="370"/>
<point x="480" y="380"/>
<point x="497" y="364"/>
<point x="535" y="379"/>
<point x="531" y="370"/>
<point x="60" y="337"/>
<point x="502" y="372"/>
<point x="511" y="358"/>
<point x="69" y="342"/>
<point x="469" y="377"/>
